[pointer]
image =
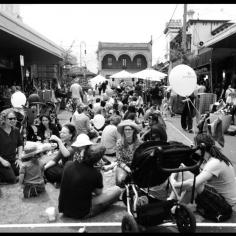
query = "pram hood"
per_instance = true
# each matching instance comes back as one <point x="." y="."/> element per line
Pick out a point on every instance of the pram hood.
<point x="147" y="163"/>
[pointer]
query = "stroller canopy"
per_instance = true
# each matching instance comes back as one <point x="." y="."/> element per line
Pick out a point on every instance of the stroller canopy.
<point x="147" y="163"/>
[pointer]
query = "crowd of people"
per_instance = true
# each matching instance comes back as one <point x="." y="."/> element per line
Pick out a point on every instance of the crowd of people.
<point x="128" y="116"/>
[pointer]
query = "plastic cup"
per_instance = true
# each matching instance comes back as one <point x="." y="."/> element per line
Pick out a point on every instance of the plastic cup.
<point x="51" y="212"/>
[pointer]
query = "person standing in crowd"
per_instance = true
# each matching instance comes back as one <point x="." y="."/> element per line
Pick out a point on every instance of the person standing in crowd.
<point x="188" y="114"/>
<point x="46" y="129"/>
<point x="216" y="171"/>
<point x="54" y="168"/>
<point x="156" y="95"/>
<point x="11" y="144"/>
<point x="110" y="136"/>
<point x="104" y="86"/>
<point x="90" y="97"/>
<point x="99" y="88"/>
<point x="80" y="120"/>
<point x="81" y="193"/>
<point x="76" y="94"/>
<point x="125" y="148"/>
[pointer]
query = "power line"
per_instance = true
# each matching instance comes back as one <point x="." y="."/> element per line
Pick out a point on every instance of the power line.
<point x="168" y="22"/>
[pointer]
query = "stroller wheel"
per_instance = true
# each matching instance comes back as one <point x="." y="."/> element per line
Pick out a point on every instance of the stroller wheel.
<point x="185" y="219"/>
<point x="129" y="224"/>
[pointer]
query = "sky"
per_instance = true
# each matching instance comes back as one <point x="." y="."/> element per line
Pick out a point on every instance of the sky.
<point x="86" y="24"/>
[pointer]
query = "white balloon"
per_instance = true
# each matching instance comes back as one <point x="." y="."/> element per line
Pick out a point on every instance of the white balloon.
<point x="18" y="99"/>
<point x="98" y="121"/>
<point x="183" y="80"/>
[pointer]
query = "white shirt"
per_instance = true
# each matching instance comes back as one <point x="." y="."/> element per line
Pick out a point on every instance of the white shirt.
<point x="76" y="91"/>
<point x="110" y="135"/>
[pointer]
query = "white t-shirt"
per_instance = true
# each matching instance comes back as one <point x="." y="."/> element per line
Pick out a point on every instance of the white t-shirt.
<point x="76" y="91"/>
<point x="110" y="135"/>
<point x="223" y="179"/>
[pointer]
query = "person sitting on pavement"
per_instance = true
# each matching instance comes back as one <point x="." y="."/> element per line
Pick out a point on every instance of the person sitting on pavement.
<point x="216" y="171"/>
<point x="31" y="171"/>
<point x="46" y="129"/>
<point x="81" y="193"/>
<point x="110" y="135"/>
<point x="97" y="106"/>
<point x="11" y="147"/>
<point x="148" y="112"/>
<point x="155" y="119"/>
<point x="131" y="114"/>
<point x="54" y="168"/>
<point x="125" y="148"/>
<point x="55" y="120"/>
<point x="80" y="120"/>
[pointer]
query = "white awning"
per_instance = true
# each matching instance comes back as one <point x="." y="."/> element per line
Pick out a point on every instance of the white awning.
<point x="221" y="36"/>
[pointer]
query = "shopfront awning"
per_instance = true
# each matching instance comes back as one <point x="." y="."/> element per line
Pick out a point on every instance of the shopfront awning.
<point x="23" y="32"/>
<point x="224" y="39"/>
<point x="202" y="59"/>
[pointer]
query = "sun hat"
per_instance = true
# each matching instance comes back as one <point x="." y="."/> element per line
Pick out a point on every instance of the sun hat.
<point x="33" y="148"/>
<point x="127" y="122"/>
<point x="82" y="140"/>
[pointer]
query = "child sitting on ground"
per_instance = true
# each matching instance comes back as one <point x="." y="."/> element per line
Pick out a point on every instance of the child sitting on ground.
<point x="31" y="171"/>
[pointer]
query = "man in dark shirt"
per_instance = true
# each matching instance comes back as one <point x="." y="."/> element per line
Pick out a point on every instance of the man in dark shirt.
<point x="81" y="193"/>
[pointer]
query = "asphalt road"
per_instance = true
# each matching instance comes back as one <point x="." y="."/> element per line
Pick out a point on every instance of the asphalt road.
<point x="108" y="225"/>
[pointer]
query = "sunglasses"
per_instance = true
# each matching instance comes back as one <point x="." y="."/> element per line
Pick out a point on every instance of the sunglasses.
<point x="12" y="118"/>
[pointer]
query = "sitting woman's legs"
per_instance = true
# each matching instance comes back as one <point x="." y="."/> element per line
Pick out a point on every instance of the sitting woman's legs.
<point x="185" y="195"/>
<point x="54" y="174"/>
<point x="101" y="202"/>
<point x="121" y="174"/>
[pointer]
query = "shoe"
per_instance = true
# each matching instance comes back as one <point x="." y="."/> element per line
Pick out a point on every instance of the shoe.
<point x="190" y="131"/>
<point x="184" y="129"/>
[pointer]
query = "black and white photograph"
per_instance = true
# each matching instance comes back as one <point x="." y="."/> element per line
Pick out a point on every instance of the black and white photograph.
<point x="117" y="118"/>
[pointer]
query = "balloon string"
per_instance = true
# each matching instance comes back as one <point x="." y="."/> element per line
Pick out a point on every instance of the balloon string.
<point x="190" y="112"/>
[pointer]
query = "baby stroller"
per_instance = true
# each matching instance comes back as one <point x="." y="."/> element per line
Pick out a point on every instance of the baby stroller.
<point x="152" y="164"/>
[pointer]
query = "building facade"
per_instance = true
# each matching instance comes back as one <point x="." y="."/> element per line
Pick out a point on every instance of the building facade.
<point x="115" y="57"/>
<point x="25" y="54"/>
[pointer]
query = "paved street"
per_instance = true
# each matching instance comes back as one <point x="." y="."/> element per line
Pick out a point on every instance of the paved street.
<point x="110" y="220"/>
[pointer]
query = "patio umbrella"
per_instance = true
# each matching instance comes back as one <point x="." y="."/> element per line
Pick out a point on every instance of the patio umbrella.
<point x="150" y="74"/>
<point x="122" y="75"/>
<point x="96" y="80"/>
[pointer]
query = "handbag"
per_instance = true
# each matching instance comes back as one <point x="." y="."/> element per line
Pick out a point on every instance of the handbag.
<point x="212" y="205"/>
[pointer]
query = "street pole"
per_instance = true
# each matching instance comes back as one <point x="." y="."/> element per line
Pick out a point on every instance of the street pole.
<point x="184" y="31"/>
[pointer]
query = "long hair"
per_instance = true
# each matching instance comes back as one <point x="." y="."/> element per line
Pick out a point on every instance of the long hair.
<point x="72" y="131"/>
<point x="211" y="148"/>
<point x="134" y="138"/>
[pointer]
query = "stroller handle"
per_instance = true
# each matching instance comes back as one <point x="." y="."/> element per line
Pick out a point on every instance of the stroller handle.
<point x="187" y="168"/>
<point x="176" y="170"/>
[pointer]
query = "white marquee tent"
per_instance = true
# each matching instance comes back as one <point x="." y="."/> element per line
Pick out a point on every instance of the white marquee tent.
<point x="122" y="75"/>
<point x="150" y="74"/>
<point x="96" y="80"/>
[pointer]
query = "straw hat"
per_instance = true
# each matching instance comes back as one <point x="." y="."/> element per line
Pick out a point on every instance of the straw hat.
<point x="33" y="148"/>
<point x="82" y="140"/>
<point x="124" y="123"/>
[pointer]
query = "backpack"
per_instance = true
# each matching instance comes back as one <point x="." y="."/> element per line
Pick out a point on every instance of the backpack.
<point x="212" y="205"/>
